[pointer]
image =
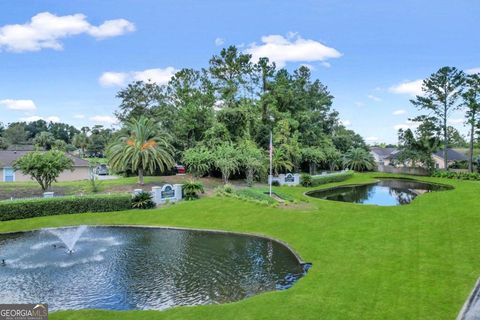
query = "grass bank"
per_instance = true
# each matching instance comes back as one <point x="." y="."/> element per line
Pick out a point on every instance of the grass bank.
<point x="417" y="261"/>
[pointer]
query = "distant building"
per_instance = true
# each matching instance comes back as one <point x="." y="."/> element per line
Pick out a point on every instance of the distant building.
<point x="81" y="168"/>
<point x="387" y="156"/>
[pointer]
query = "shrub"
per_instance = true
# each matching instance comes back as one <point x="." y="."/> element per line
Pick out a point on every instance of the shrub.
<point x="456" y="175"/>
<point x="255" y="194"/>
<point x="306" y="180"/>
<point x="329" y="178"/>
<point x="21" y="209"/>
<point x="143" y="200"/>
<point x="275" y="183"/>
<point x="190" y="189"/>
<point x="228" y="188"/>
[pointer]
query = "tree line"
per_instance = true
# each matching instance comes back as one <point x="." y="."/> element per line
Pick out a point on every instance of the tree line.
<point x="218" y="120"/>
<point x="443" y="92"/>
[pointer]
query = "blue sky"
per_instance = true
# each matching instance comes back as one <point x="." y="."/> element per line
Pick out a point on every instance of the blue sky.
<point x="65" y="60"/>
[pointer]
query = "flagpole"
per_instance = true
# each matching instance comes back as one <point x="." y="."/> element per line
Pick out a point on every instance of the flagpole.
<point x="271" y="154"/>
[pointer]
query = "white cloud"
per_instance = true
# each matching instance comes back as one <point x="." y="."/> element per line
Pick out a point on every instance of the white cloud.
<point x="456" y="121"/>
<point x="413" y="88"/>
<point x="36" y="118"/>
<point x="18" y="104"/>
<point x="326" y="64"/>
<point x="346" y="123"/>
<point x="291" y="48"/>
<point x="407" y="125"/>
<point x="118" y="79"/>
<point x="46" y="30"/>
<point x="473" y="70"/>
<point x="399" y="112"/>
<point x="104" y="119"/>
<point x="372" y="139"/>
<point x="109" y="79"/>
<point x="219" y="41"/>
<point x="79" y="116"/>
<point x="359" y="104"/>
<point x="374" y="98"/>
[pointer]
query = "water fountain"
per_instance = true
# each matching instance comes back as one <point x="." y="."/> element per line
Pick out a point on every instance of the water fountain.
<point x="69" y="236"/>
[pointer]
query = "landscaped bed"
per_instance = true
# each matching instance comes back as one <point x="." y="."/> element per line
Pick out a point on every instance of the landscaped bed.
<point x="402" y="262"/>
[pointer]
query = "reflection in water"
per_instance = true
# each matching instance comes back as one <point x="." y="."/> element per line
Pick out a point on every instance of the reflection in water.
<point x="142" y="268"/>
<point x="387" y="192"/>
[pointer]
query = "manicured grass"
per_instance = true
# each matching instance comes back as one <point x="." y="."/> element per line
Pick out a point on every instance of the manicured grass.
<point x="417" y="261"/>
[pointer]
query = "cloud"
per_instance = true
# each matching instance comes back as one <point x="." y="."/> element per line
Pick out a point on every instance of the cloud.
<point x="456" y="121"/>
<point x="219" y="41"/>
<point x="407" y="125"/>
<point x="36" y="118"/>
<point x="399" y="112"/>
<point x="359" y="104"/>
<point x="473" y="70"/>
<point x="110" y="79"/>
<point x="346" y="123"/>
<point x="18" y="104"/>
<point x="104" y="119"/>
<point x="79" y="116"/>
<point x="372" y="139"/>
<point x="413" y="88"/>
<point x="292" y="48"/>
<point x="374" y="98"/>
<point x="118" y="79"/>
<point x="46" y="30"/>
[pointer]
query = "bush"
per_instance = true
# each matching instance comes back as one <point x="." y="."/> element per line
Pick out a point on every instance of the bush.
<point x="329" y="178"/>
<point x="190" y="189"/>
<point x="21" y="209"/>
<point x="228" y="188"/>
<point x="143" y="200"/>
<point x="456" y="175"/>
<point x="275" y="183"/>
<point x="255" y="194"/>
<point x="306" y="180"/>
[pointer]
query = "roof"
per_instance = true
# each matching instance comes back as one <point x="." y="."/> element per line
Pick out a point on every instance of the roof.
<point x="452" y="155"/>
<point x="7" y="157"/>
<point x="382" y="152"/>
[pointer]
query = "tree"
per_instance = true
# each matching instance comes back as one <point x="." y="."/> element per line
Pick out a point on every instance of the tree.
<point x="226" y="159"/>
<point x="418" y="149"/>
<point x="441" y="92"/>
<point x="81" y="141"/>
<point x="253" y="160"/>
<point x="44" y="140"/>
<point x="471" y="99"/>
<point x="358" y="159"/>
<point x="16" y="133"/>
<point x="44" y="167"/>
<point x="139" y="99"/>
<point x="455" y="138"/>
<point x="333" y="158"/>
<point x="141" y="148"/>
<point x="280" y="162"/>
<point x="199" y="160"/>
<point x="313" y="156"/>
<point x="3" y="143"/>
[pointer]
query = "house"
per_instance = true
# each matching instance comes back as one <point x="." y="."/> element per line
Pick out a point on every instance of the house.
<point x="81" y="168"/>
<point x="382" y="155"/>
<point x="452" y="156"/>
<point x="387" y="156"/>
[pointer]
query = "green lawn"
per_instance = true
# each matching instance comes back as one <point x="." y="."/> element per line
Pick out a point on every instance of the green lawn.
<point x="418" y="261"/>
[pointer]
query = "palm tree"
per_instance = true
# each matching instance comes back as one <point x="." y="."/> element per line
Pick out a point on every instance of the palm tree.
<point x="80" y="140"/>
<point x="358" y="159"/>
<point x="280" y="162"/>
<point x="141" y="148"/>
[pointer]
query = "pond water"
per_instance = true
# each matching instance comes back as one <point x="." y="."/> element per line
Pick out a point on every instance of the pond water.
<point x="386" y="192"/>
<point x="140" y="268"/>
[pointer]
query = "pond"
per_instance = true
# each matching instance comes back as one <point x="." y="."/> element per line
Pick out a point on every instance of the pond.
<point x="386" y="192"/>
<point x="122" y="268"/>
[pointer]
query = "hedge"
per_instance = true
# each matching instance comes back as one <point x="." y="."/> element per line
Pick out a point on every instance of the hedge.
<point x="21" y="209"/>
<point x="329" y="178"/>
<point x="456" y="175"/>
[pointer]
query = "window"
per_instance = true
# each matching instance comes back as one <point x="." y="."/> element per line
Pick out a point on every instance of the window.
<point x="8" y="175"/>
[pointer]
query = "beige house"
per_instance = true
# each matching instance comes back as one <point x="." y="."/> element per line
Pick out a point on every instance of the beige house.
<point x="81" y="168"/>
<point x="387" y="156"/>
